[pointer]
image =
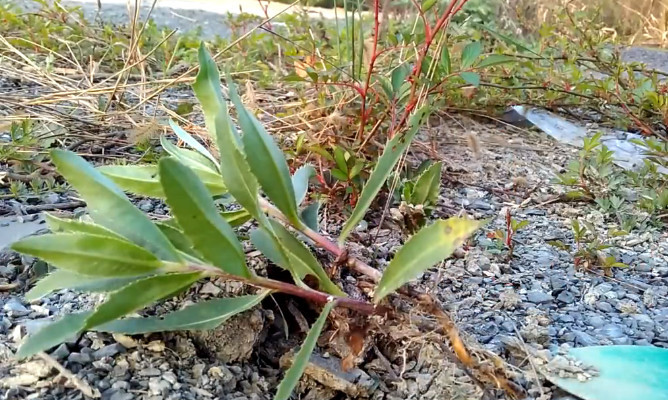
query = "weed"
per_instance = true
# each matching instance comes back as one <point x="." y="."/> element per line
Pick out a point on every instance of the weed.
<point x="589" y="252"/>
<point x="503" y="240"/>
<point x="138" y="261"/>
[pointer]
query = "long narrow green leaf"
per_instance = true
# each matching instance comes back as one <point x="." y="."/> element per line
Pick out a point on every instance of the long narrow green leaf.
<point x="138" y="295"/>
<point x="178" y="238"/>
<point x="63" y="279"/>
<point x="234" y="168"/>
<point x="386" y="163"/>
<point x="208" y="92"/>
<point x="56" y="225"/>
<point x="201" y="316"/>
<point x="109" y="207"/>
<point x="431" y="245"/>
<point x="190" y="158"/>
<point x="302" y="261"/>
<point x="192" y="142"/>
<point x="300" y="361"/>
<point x="88" y="254"/>
<point x="196" y="213"/>
<point x="144" y="180"/>
<point x="300" y="181"/>
<point x="266" y="160"/>
<point x="136" y="179"/>
<point x="53" y="334"/>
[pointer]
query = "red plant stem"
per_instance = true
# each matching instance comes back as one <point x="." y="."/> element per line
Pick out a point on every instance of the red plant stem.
<point x="288" y="288"/>
<point x="323" y="242"/>
<point x="372" y="61"/>
<point x="429" y="38"/>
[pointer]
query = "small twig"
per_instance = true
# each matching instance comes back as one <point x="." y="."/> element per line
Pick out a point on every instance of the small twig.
<point x="59" y="206"/>
<point x="82" y="386"/>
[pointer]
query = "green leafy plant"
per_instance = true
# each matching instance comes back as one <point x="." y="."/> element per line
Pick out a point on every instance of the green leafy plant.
<point x="137" y="262"/>
<point x="504" y="239"/>
<point x="594" y="177"/>
<point x="589" y="252"/>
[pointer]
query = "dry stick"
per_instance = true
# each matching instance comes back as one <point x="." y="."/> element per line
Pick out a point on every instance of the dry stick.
<point x="83" y="387"/>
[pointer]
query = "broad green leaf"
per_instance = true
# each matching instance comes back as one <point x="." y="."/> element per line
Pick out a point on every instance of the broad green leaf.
<point x="234" y="168"/>
<point x="301" y="359"/>
<point x="431" y="245"/>
<point x="144" y="180"/>
<point x="300" y="181"/>
<point x="623" y="373"/>
<point x="265" y="158"/>
<point x="399" y="75"/>
<point x="64" y="279"/>
<point x="310" y="215"/>
<point x="393" y="150"/>
<point x="56" y="225"/>
<point x="427" y="186"/>
<point x="201" y="316"/>
<point x="496" y="59"/>
<point x="445" y="60"/>
<point x="53" y="334"/>
<point x="178" y="239"/>
<point x="109" y="207"/>
<point x="302" y="261"/>
<point x="340" y="158"/>
<point x="192" y="142"/>
<point x="197" y="215"/>
<point x="136" y="179"/>
<point x="88" y="254"/>
<point x="472" y="78"/>
<point x="138" y="295"/>
<point x="470" y="54"/>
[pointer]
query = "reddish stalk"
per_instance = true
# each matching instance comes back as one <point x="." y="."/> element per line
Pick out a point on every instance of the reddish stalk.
<point x="288" y="288"/>
<point x="376" y="32"/>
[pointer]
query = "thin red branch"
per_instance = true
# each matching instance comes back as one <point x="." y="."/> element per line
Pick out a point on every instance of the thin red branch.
<point x="376" y="33"/>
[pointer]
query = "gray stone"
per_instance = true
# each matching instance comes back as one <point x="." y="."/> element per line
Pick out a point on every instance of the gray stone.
<point x="150" y="372"/>
<point x="61" y="352"/>
<point x="584" y="339"/>
<point x="604" y="306"/>
<point x="146" y="205"/>
<point x="566" y="297"/>
<point x="611" y="331"/>
<point x="15" y="309"/>
<point x="566" y="318"/>
<point x="158" y="387"/>
<point x="109" y="351"/>
<point x="79" y="358"/>
<point x="122" y="395"/>
<point x="51" y="198"/>
<point x="596" y="321"/>
<point x="480" y="204"/>
<point x="558" y="282"/>
<point x="643" y="267"/>
<point x="538" y="296"/>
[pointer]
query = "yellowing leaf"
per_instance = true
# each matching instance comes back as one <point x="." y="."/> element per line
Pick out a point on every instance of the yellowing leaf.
<point x="423" y="250"/>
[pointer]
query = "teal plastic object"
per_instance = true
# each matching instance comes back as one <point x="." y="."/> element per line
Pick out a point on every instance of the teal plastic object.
<point x="624" y="373"/>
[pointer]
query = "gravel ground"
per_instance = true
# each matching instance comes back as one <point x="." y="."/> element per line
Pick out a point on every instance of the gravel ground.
<point x="535" y="304"/>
